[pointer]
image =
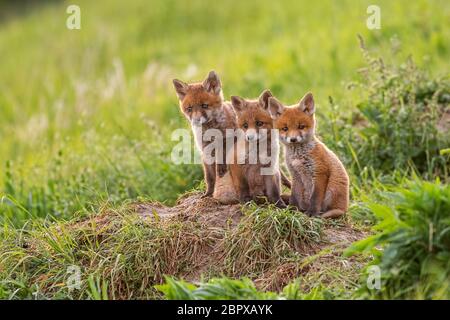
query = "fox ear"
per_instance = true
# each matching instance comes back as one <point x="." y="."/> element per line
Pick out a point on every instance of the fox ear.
<point x="264" y="98"/>
<point x="181" y="88"/>
<point x="275" y="108"/>
<point x="212" y="83"/>
<point x="238" y="103"/>
<point x="307" y="104"/>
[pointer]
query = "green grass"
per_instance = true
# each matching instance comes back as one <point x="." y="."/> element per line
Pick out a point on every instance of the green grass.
<point x="266" y="238"/>
<point x="86" y="118"/>
<point x="230" y="289"/>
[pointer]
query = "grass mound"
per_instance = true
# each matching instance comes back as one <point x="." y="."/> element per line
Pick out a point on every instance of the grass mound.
<point x="267" y="236"/>
<point x="123" y="253"/>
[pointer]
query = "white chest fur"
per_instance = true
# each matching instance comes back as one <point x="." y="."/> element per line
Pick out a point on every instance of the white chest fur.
<point x="198" y="137"/>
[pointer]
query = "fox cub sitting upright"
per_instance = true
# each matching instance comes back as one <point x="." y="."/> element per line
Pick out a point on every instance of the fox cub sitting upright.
<point x="251" y="181"/>
<point x="203" y="105"/>
<point x="320" y="184"/>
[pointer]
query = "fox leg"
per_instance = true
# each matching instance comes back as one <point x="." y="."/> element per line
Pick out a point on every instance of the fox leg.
<point x="221" y="164"/>
<point x="257" y="192"/>
<point x="256" y="184"/>
<point x="241" y="184"/>
<point x="296" y="195"/>
<point x="285" y="181"/>
<point x="210" y="178"/>
<point x="244" y="194"/>
<point x="221" y="169"/>
<point x="285" y="198"/>
<point x="273" y="190"/>
<point x="318" y="195"/>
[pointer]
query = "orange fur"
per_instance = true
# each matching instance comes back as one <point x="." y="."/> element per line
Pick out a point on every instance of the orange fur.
<point x="203" y="105"/>
<point x="256" y="124"/>
<point x="320" y="184"/>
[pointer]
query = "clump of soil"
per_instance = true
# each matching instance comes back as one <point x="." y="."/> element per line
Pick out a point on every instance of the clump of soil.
<point x="194" y="207"/>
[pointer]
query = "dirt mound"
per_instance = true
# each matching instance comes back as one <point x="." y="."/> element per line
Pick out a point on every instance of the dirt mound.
<point x="318" y="256"/>
<point x="192" y="207"/>
<point x="208" y="211"/>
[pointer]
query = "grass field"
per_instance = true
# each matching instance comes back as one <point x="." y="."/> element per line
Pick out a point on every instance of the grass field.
<point x="86" y="115"/>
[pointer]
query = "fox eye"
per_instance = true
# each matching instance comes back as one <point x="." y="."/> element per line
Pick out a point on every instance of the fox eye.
<point x="259" y="123"/>
<point x="245" y="125"/>
<point x="301" y="126"/>
<point x="285" y="129"/>
<point x="204" y="106"/>
<point x="189" y="109"/>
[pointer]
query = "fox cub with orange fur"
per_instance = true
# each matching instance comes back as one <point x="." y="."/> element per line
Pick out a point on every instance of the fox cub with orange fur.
<point x="203" y="105"/>
<point x="253" y="118"/>
<point x="320" y="184"/>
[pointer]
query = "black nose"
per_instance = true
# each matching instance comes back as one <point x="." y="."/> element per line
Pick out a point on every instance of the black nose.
<point x="293" y="140"/>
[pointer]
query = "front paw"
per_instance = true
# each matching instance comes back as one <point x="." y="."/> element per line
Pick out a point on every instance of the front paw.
<point x="294" y="203"/>
<point x="260" y="199"/>
<point x="206" y="194"/>
<point x="245" y="199"/>
<point x="311" y="212"/>
<point x="280" y="204"/>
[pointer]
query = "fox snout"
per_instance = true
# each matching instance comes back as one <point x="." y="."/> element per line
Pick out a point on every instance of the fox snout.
<point x="292" y="139"/>
<point x="251" y="135"/>
<point x="198" y="119"/>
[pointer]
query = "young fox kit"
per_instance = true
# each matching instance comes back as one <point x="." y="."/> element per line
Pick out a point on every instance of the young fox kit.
<point x="320" y="184"/>
<point x="253" y="118"/>
<point x="203" y="105"/>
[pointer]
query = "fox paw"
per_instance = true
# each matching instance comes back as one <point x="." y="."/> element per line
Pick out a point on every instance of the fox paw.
<point x="206" y="195"/>
<point x="280" y="204"/>
<point x="246" y="199"/>
<point x="312" y="212"/>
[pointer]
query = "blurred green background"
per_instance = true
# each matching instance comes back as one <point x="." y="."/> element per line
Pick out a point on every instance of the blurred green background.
<point x="86" y="115"/>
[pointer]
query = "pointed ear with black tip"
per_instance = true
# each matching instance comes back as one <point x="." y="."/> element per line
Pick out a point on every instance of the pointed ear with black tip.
<point x="181" y="88"/>
<point x="276" y="108"/>
<point x="212" y="83"/>
<point x="264" y="98"/>
<point x="307" y="104"/>
<point x="238" y="103"/>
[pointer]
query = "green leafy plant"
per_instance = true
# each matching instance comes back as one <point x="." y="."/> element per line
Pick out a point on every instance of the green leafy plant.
<point x="401" y="124"/>
<point x="414" y="238"/>
<point x="233" y="289"/>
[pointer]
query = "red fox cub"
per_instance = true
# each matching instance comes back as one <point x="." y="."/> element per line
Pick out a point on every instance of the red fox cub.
<point x="251" y="181"/>
<point x="320" y="184"/>
<point x="202" y="104"/>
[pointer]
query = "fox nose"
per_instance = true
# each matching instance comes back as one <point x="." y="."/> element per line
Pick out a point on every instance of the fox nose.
<point x="293" y="139"/>
<point x="198" y="120"/>
<point x="251" y="135"/>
